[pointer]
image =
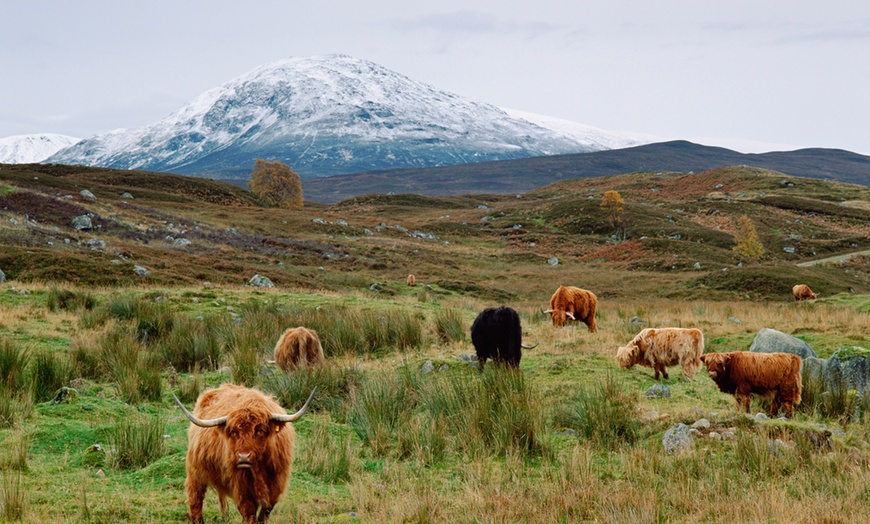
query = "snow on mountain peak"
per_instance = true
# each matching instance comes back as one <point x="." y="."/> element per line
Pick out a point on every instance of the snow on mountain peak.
<point x="28" y="149"/>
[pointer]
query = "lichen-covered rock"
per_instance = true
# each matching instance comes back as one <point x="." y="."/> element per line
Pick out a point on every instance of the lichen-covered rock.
<point x="260" y="281"/>
<point x="82" y="222"/>
<point x="678" y="439"/>
<point x="772" y="341"/>
<point x="848" y="369"/>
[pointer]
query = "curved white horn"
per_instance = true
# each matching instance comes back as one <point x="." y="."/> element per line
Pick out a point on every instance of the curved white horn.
<point x="530" y="347"/>
<point x="570" y="315"/>
<point x="210" y="423"/>
<point x="548" y="311"/>
<point x="283" y="417"/>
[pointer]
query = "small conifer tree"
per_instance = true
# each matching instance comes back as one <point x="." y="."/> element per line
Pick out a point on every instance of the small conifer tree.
<point x="746" y="241"/>
<point x="275" y="184"/>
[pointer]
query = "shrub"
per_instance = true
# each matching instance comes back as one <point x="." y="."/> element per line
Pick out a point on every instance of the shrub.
<point x="602" y="414"/>
<point x="192" y="344"/>
<point x="136" y="440"/>
<point x="64" y="299"/>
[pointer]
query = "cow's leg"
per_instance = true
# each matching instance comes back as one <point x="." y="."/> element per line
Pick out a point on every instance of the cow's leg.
<point x="742" y="397"/>
<point x="665" y="372"/>
<point x="774" y="405"/>
<point x="656" y="369"/>
<point x="195" y="497"/>
<point x="480" y="362"/>
<point x="248" y="510"/>
<point x="263" y="517"/>
<point x="590" y="323"/>
<point x="789" y="408"/>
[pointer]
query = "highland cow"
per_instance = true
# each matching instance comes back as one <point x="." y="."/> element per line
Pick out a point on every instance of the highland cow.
<point x="774" y="375"/>
<point x="658" y="348"/>
<point x="412" y="280"/>
<point x="496" y="333"/>
<point x="241" y="444"/>
<point x="297" y="348"/>
<point x="574" y="303"/>
<point x="803" y="292"/>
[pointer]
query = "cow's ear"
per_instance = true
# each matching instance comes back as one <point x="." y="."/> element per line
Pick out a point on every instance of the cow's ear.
<point x="704" y="359"/>
<point x="277" y="427"/>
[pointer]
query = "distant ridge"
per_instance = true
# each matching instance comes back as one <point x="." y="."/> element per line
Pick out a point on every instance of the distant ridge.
<point x="516" y="176"/>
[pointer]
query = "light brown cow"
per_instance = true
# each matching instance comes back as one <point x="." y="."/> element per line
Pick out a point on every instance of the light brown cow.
<point x="297" y="348"/>
<point x="412" y="280"/>
<point x="803" y="292"/>
<point x="775" y="375"/>
<point x="574" y="303"/>
<point x="659" y="348"/>
<point x="240" y="442"/>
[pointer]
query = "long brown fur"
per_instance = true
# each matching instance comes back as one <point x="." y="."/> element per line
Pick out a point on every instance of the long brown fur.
<point x="741" y="373"/>
<point x="212" y="455"/>
<point x="659" y="348"/>
<point x="802" y="292"/>
<point x="298" y="347"/>
<point x="412" y="280"/>
<point x="578" y="302"/>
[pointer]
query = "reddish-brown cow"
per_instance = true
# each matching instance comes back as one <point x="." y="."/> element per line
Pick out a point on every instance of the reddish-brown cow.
<point x="659" y="348"/>
<point x="740" y="373"/>
<point x="574" y="303"/>
<point x="240" y="442"/>
<point x="803" y="292"/>
<point x="412" y="280"/>
<point x="298" y="347"/>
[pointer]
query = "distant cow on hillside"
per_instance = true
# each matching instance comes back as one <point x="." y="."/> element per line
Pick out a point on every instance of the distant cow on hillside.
<point x="659" y="348"/>
<point x="496" y="333"/>
<point x="574" y="303"/>
<point x="412" y="280"/>
<point x="298" y="347"/>
<point x="803" y="292"/>
<point x="740" y="373"/>
<point x="240" y="442"/>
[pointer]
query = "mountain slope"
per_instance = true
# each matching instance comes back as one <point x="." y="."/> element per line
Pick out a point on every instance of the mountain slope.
<point x="26" y="149"/>
<point x="323" y="116"/>
<point x="517" y="176"/>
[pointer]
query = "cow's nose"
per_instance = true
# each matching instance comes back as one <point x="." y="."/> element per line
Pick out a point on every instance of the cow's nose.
<point x="243" y="457"/>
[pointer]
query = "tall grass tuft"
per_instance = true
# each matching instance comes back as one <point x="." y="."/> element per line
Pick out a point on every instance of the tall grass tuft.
<point x="13" y="497"/>
<point x="330" y="457"/>
<point x="334" y="387"/>
<point x="192" y="343"/>
<point x="379" y="410"/>
<point x="48" y="374"/>
<point x="64" y="299"/>
<point x="245" y="345"/>
<point x="15" y="406"/>
<point x="189" y="390"/>
<point x="449" y="326"/>
<point x="13" y="362"/>
<point x="603" y="413"/>
<point x="119" y="353"/>
<point x="16" y="447"/>
<point x="135" y="441"/>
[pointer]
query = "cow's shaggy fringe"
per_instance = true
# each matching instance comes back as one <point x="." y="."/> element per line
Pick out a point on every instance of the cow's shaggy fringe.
<point x="13" y="497"/>
<point x="135" y="441"/>
<point x="603" y="413"/>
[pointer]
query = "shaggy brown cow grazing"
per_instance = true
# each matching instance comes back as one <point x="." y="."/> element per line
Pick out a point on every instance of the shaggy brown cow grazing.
<point x="240" y="443"/>
<point x="803" y="292"/>
<point x="659" y="348"/>
<point x="298" y="347"/>
<point x="574" y="303"/>
<point x="740" y="373"/>
<point x="412" y="280"/>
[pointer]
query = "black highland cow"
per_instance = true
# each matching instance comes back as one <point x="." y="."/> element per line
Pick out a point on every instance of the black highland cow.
<point x="496" y="334"/>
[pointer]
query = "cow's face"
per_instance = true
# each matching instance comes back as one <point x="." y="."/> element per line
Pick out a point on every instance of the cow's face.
<point x="248" y="438"/>
<point x="559" y="317"/>
<point x="627" y="356"/>
<point x="717" y="363"/>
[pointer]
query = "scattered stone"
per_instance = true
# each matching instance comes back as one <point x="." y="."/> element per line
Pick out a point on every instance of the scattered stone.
<point x="141" y="271"/>
<point x="761" y="416"/>
<point x="566" y="432"/>
<point x="697" y="265"/>
<point x="96" y="244"/>
<point x="735" y="320"/>
<point x="100" y="473"/>
<point x="428" y="367"/>
<point x="678" y="439"/>
<point x="2" y="276"/>
<point x="182" y="242"/>
<point x="376" y="287"/>
<point x="553" y="261"/>
<point x="260" y="281"/>
<point x="87" y="195"/>
<point x="658" y="391"/>
<point x="701" y="424"/>
<point x="368" y="231"/>
<point x="341" y="222"/>
<point x="82" y="223"/>
<point x="772" y="341"/>
<point x="318" y="221"/>
<point x="777" y="447"/>
<point x="848" y="369"/>
<point x="675" y="237"/>
<point x="126" y="195"/>
<point x="65" y="395"/>
<point x="443" y="367"/>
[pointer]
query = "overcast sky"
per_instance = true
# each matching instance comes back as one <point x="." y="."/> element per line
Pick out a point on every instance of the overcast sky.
<point x="749" y="75"/>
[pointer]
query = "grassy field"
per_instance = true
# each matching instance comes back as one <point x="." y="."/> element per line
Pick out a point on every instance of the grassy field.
<point x="569" y="438"/>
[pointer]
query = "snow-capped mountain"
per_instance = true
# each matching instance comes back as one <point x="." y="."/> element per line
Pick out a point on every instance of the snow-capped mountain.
<point x="594" y="138"/>
<point x="323" y="115"/>
<point x="28" y="149"/>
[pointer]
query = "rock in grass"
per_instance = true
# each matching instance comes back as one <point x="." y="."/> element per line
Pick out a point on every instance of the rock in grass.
<point x="772" y="341"/>
<point x="141" y="271"/>
<point x="848" y="369"/>
<point x="678" y="439"/>
<point x="658" y="391"/>
<point x="260" y="281"/>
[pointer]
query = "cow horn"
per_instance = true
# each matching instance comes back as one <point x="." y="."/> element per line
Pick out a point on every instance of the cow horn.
<point x="548" y="311"/>
<point x="270" y="361"/>
<point x="530" y="347"/>
<point x="283" y="417"/>
<point x="210" y="423"/>
<point x="570" y="315"/>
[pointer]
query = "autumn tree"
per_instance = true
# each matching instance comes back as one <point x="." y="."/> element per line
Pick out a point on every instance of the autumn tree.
<point x="613" y="204"/>
<point x="275" y="184"/>
<point x="746" y="241"/>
